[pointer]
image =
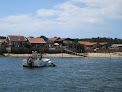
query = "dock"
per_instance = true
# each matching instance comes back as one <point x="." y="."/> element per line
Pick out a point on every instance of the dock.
<point x="75" y="53"/>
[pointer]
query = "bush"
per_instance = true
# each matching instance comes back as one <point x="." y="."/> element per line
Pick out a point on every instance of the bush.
<point x="27" y="45"/>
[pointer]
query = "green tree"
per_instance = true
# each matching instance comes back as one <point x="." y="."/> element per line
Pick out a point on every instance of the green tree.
<point x="44" y="37"/>
<point x="103" y="39"/>
<point x="4" y="44"/>
<point x="27" y="45"/>
<point x="31" y="37"/>
<point x="2" y="37"/>
<point x="79" y="47"/>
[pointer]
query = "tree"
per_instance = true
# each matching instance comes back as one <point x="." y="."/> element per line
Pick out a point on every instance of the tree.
<point x="27" y="45"/>
<point x="4" y="44"/>
<point x="79" y="47"/>
<point x="31" y="37"/>
<point x="2" y="37"/>
<point x="44" y="37"/>
<point x="103" y="39"/>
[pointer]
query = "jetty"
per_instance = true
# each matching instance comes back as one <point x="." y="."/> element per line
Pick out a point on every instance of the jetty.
<point x="75" y="53"/>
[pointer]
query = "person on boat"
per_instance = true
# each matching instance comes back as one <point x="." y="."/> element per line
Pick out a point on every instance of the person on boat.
<point x="40" y="58"/>
<point x="30" y="62"/>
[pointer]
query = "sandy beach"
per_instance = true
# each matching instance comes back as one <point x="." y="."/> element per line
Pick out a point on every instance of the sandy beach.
<point x="44" y="55"/>
<point x="105" y="54"/>
<point x="117" y="54"/>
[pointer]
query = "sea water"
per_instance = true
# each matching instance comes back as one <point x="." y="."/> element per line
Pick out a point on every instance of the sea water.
<point x="70" y="75"/>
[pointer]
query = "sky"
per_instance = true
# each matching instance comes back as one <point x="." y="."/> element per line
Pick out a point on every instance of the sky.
<point x="61" y="18"/>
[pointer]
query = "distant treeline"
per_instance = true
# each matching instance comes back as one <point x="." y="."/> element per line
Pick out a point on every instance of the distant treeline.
<point x="104" y="39"/>
<point x="2" y="37"/>
<point x="98" y="39"/>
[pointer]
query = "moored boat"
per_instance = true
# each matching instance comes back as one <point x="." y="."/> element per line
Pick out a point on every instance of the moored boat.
<point x="33" y="61"/>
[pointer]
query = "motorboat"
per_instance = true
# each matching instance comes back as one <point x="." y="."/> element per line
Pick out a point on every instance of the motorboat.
<point x="33" y="61"/>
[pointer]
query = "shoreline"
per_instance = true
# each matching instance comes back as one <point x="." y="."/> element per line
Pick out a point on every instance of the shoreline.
<point x="44" y="55"/>
<point x="118" y="54"/>
<point x="115" y="54"/>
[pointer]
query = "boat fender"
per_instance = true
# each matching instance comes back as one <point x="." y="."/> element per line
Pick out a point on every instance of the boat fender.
<point x="29" y="58"/>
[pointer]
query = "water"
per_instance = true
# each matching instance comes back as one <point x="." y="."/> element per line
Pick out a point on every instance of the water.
<point x="70" y="75"/>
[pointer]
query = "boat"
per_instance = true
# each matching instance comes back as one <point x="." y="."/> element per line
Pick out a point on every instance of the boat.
<point x="33" y="61"/>
<point x="52" y="65"/>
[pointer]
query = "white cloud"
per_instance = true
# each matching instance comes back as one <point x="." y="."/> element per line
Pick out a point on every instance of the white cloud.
<point x="94" y="11"/>
<point x="17" y="18"/>
<point x="46" y="13"/>
<point x="68" y="16"/>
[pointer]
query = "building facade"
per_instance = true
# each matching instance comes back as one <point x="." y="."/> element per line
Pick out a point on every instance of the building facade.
<point x="16" y="41"/>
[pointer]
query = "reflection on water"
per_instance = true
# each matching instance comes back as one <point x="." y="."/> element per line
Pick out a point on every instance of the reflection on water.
<point x="70" y="75"/>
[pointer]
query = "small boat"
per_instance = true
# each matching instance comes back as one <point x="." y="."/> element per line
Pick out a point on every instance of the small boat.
<point x="51" y="65"/>
<point x="33" y="61"/>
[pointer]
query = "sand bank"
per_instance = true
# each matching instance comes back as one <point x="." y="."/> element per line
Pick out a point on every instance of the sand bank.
<point x="117" y="54"/>
<point x="44" y="55"/>
<point x="104" y="55"/>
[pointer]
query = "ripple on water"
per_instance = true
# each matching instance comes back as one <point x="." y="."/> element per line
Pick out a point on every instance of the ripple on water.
<point x="70" y="75"/>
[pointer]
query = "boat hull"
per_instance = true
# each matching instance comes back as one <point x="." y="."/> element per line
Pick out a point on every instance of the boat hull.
<point x="36" y="63"/>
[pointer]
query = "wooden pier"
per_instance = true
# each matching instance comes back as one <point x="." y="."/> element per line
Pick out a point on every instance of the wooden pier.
<point x="75" y="53"/>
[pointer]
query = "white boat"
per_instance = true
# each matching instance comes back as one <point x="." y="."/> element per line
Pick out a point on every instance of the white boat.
<point x="33" y="61"/>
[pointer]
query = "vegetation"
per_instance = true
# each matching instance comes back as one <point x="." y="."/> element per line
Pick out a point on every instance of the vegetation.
<point x="4" y="44"/>
<point x="44" y="37"/>
<point x="31" y="37"/>
<point x="104" y="39"/>
<point x="2" y="37"/>
<point x="75" y="47"/>
<point x="79" y="47"/>
<point x="27" y="45"/>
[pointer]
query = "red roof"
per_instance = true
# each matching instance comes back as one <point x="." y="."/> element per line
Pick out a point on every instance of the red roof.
<point x="103" y="43"/>
<point x="87" y="43"/>
<point x="53" y="39"/>
<point x="91" y="43"/>
<point x="62" y="39"/>
<point x="3" y="40"/>
<point x="36" y="40"/>
<point x="16" y="38"/>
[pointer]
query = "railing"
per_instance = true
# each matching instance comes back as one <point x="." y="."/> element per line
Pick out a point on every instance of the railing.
<point x="75" y="53"/>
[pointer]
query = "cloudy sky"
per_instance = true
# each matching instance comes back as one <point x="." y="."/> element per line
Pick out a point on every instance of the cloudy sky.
<point x="62" y="18"/>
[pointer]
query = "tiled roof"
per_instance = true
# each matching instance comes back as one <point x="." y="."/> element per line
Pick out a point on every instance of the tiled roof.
<point x="36" y="40"/>
<point x="87" y="43"/>
<point x="103" y="43"/>
<point x="16" y="38"/>
<point x="62" y="39"/>
<point x="53" y="39"/>
<point x="91" y="43"/>
<point x="3" y="40"/>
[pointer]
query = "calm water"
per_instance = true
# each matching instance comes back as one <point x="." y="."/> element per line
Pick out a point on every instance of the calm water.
<point x="70" y="75"/>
